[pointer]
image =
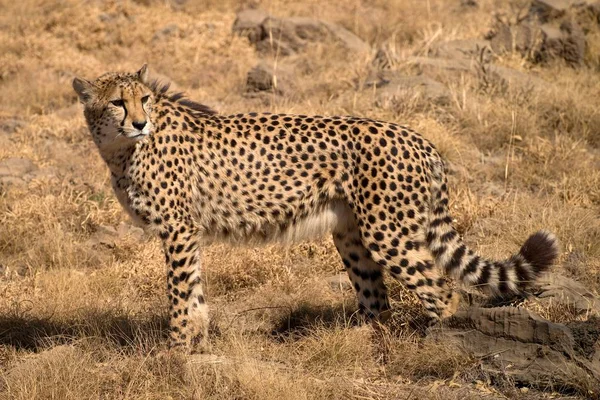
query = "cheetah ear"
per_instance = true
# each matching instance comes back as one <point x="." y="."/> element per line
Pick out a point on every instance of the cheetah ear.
<point x="142" y="74"/>
<point x="85" y="89"/>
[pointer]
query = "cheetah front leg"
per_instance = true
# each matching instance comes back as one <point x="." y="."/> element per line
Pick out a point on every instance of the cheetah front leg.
<point x="188" y="310"/>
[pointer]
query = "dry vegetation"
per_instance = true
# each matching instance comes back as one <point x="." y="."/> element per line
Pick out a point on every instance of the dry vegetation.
<point x="80" y="320"/>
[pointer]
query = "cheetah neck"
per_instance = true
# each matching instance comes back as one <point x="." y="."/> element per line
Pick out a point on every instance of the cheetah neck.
<point x="118" y="159"/>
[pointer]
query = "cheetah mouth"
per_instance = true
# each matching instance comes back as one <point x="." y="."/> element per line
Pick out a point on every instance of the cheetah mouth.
<point x="137" y="136"/>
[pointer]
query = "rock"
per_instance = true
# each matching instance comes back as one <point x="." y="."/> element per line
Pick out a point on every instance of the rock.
<point x="493" y="189"/>
<point x="340" y="282"/>
<point x="513" y="79"/>
<point x="7" y="181"/>
<point x="285" y="36"/>
<point x="16" y="171"/>
<point x="208" y="359"/>
<point x="125" y="230"/>
<point x="551" y="33"/>
<point x="546" y="10"/>
<point x="248" y="23"/>
<point x="516" y="343"/>
<point x="562" y="290"/>
<point x="104" y="235"/>
<point x="42" y="173"/>
<point x="463" y="48"/>
<point x="524" y="38"/>
<point x="20" y="171"/>
<point x="166" y="32"/>
<point x="11" y="125"/>
<point x="508" y="77"/>
<point x="386" y="57"/>
<point x="594" y="10"/>
<point x="109" y="236"/>
<point x="16" y="167"/>
<point x="567" y="43"/>
<point x="469" y="3"/>
<point x="348" y="39"/>
<point x="428" y="64"/>
<point x="391" y="85"/>
<point x="541" y="43"/>
<point x="263" y="78"/>
<point x="177" y="4"/>
<point x="105" y="17"/>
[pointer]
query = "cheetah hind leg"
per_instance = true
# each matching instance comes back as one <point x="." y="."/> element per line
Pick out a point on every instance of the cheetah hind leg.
<point x="365" y="274"/>
<point x="407" y="259"/>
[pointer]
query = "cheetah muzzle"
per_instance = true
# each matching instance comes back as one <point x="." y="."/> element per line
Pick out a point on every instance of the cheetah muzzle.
<point x="194" y="176"/>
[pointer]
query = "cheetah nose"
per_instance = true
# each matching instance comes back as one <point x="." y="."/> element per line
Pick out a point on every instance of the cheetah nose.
<point x="139" y="124"/>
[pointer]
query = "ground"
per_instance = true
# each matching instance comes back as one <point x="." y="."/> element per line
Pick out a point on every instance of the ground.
<point x="83" y="308"/>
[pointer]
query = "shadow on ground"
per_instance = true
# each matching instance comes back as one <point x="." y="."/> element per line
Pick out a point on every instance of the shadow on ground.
<point x="303" y="318"/>
<point x="34" y="334"/>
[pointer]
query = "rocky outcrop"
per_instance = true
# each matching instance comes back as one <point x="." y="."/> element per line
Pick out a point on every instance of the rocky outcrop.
<point x="264" y="78"/>
<point x="519" y="345"/>
<point x="392" y="85"/>
<point x="567" y="42"/>
<point x="286" y="36"/>
<point x="20" y="171"/>
<point x="503" y="76"/>
<point x="557" y="289"/>
<point x="516" y="344"/>
<point x="593" y="10"/>
<point x="549" y="10"/>
<point x="541" y="43"/>
<point x="109" y="236"/>
<point x="546" y="10"/>
<point x="460" y="48"/>
<point x="551" y="30"/>
<point x="339" y="282"/>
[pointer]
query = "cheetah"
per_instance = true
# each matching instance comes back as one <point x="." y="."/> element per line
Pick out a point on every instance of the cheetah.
<point x="194" y="176"/>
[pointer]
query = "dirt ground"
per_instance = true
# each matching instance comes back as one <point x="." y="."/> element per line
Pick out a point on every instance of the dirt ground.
<point x="83" y="310"/>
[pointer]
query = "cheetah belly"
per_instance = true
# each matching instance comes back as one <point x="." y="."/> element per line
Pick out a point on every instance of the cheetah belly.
<point x="334" y="216"/>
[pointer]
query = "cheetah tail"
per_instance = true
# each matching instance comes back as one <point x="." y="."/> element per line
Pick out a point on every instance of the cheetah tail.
<point x="510" y="276"/>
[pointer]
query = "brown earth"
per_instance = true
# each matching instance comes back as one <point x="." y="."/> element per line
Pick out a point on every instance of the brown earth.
<point x="508" y="92"/>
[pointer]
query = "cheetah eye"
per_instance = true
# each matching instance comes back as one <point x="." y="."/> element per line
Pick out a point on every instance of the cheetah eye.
<point x="118" y="103"/>
<point x="145" y="99"/>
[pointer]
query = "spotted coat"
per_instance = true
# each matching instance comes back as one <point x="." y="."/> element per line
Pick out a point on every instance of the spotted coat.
<point x="195" y="176"/>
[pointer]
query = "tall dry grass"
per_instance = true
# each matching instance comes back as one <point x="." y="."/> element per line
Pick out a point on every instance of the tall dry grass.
<point x="83" y="320"/>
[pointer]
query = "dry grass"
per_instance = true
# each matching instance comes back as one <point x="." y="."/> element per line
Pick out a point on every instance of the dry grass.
<point x="89" y="321"/>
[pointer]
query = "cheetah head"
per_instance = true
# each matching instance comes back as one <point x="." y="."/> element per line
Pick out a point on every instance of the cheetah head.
<point x="117" y="107"/>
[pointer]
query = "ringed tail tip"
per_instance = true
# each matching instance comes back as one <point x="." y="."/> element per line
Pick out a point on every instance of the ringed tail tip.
<point x="540" y="250"/>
